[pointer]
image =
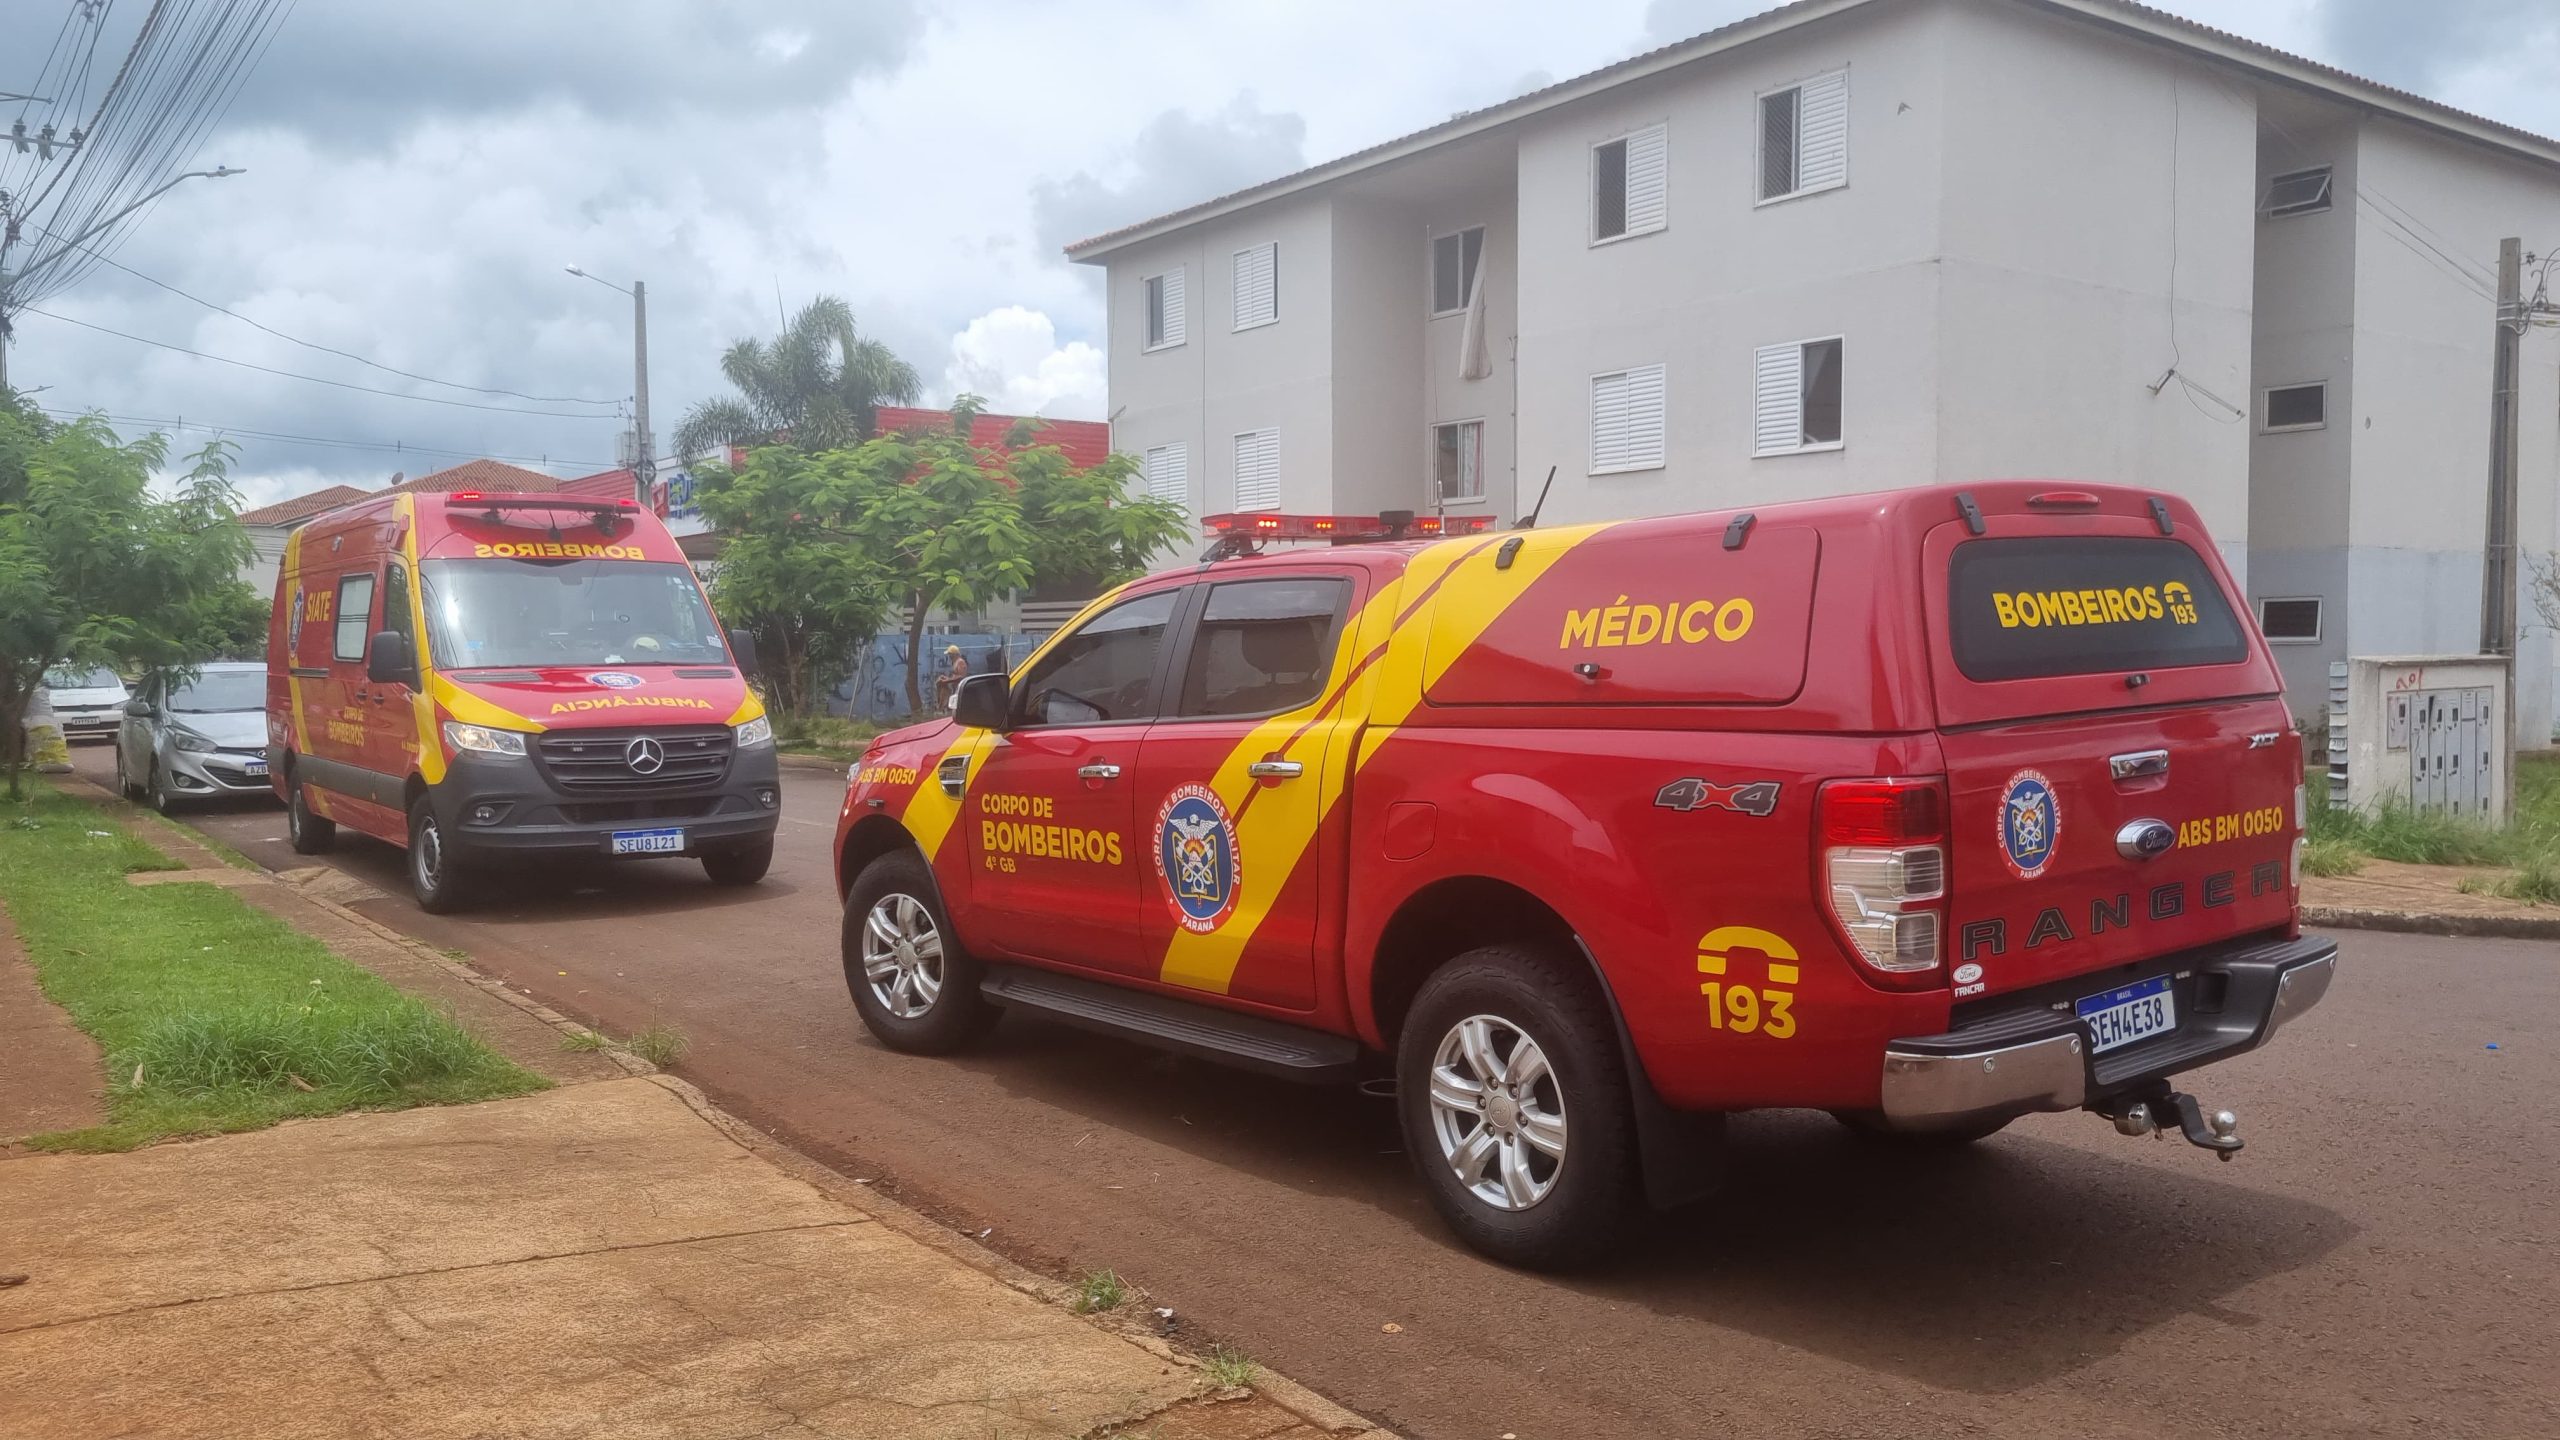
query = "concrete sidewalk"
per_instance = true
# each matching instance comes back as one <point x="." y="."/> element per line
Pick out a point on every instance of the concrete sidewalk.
<point x="2425" y="900"/>
<point x="603" y="1259"/>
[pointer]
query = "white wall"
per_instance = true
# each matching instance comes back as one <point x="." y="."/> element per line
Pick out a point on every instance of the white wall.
<point x="1380" y="293"/>
<point x="1729" y="275"/>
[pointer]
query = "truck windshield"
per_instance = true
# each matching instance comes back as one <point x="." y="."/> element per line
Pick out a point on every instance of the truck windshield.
<point x="2032" y="606"/>
<point x="213" y="692"/>
<point x="520" y="613"/>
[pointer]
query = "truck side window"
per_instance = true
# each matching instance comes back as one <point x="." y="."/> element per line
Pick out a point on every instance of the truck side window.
<point x="355" y="612"/>
<point x="1264" y="646"/>
<point x="1105" y="670"/>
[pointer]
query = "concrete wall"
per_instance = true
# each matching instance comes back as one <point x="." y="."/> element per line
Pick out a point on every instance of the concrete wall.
<point x="1729" y="275"/>
<point x="1221" y="380"/>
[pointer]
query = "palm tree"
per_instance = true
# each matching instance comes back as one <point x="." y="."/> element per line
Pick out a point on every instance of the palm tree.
<point x="816" y="386"/>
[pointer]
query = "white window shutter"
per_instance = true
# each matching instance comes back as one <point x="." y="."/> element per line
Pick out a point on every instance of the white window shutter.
<point x="1648" y="181"/>
<point x="1258" y="470"/>
<point x="1168" y="474"/>
<point x="1822" y="133"/>
<point x="1608" y="422"/>
<point x="1644" y="416"/>
<point x="1173" y="327"/>
<point x="1777" y="404"/>
<point x="1257" y="285"/>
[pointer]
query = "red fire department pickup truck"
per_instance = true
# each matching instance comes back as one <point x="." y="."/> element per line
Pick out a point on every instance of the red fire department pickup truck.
<point x="1930" y="809"/>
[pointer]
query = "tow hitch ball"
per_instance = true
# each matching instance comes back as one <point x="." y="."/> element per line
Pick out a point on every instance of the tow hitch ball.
<point x="2147" y="1115"/>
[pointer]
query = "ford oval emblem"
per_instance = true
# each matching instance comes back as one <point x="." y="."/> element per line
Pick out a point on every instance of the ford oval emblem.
<point x="1967" y="974"/>
<point x="2145" y="840"/>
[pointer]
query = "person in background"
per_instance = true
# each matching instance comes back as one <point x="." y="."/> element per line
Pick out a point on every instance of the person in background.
<point x="955" y="668"/>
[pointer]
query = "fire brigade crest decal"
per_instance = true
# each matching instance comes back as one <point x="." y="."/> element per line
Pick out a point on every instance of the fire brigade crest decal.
<point x="2030" y="823"/>
<point x="1196" y="857"/>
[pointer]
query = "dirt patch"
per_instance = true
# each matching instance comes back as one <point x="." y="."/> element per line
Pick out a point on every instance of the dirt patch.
<point x="51" y="1075"/>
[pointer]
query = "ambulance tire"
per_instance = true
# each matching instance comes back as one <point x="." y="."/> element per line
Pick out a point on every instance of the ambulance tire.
<point x="956" y="1014"/>
<point x="1871" y="1127"/>
<point x="437" y="877"/>
<point x="1593" y="1188"/>
<point x="739" y="864"/>
<point x="306" y="832"/>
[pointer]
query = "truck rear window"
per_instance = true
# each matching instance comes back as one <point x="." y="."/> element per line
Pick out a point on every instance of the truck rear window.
<point x="2028" y="607"/>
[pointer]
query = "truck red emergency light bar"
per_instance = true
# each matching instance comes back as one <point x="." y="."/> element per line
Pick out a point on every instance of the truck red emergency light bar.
<point x="1342" y="529"/>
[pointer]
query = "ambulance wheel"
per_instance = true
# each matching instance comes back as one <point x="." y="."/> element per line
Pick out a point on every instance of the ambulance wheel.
<point x="1871" y="1127"/>
<point x="915" y="988"/>
<point x="739" y="864"/>
<point x="306" y="832"/>
<point x="1505" y="1054"/>
<point x="436" y="875"/>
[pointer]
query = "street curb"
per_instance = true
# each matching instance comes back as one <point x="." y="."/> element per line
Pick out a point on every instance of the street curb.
<point x="2425" y="922"/>
<point x="1288" y="1394"/>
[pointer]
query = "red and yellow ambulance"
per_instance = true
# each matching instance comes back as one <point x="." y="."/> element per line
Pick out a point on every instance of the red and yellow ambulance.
<point x="485" y="678"/>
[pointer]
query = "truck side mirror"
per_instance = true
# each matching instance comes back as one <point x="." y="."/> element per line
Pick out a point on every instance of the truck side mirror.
<point x="983" y="702"/>
<point x="742" y="645"/>
<point x="389" y="660"/>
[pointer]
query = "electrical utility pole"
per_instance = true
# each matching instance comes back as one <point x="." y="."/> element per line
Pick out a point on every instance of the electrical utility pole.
<point x="2498" y="563"/>
<point x="644" y="459"/>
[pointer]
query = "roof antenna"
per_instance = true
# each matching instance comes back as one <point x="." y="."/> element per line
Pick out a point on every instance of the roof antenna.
<point x="1530" y="520"/>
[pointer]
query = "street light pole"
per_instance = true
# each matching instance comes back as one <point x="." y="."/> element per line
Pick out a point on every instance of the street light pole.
<point x="644" y="459"/>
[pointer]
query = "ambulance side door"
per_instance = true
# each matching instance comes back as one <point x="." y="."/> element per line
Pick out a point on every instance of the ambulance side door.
<point x="1055" y="862"/>
<point x="1235" y="784"/>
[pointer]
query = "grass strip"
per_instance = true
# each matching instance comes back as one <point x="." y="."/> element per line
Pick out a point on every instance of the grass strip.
<point x="214" y="1016"/>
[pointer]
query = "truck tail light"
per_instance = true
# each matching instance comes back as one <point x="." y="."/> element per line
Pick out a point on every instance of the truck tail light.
<point x="1881" y="857"/>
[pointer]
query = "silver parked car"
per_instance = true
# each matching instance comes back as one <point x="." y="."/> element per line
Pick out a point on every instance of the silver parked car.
<point x="196" y="739"/>
<point x="88" y="700"/>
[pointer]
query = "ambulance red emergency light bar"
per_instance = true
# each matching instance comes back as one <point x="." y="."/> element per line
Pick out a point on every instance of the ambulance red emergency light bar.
<point x="1242" y="532"/>
<point x="493" y="503"/>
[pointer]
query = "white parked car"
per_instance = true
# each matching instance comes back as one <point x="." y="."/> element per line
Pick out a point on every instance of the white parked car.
<point x="88" y="701"/>
<point x="196" y="739"/>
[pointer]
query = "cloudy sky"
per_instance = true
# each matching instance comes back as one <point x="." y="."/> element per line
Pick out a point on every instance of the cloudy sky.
<point x="417" y="176"/>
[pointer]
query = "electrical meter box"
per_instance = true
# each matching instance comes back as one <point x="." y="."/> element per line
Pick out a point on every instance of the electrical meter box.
<point x="2428" y="732"/>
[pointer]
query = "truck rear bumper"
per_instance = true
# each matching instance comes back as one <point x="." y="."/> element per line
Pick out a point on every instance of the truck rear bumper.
<point x="2037" y="1058"/>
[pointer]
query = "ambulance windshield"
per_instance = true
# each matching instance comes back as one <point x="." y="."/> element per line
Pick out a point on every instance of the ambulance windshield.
<point x="532" y="613"/>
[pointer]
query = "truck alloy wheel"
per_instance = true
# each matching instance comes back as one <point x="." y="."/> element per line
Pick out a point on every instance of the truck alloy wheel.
<point x="902" y="956"/>
<point x="1497" y="1112"/>
<point x="913" y="985"/>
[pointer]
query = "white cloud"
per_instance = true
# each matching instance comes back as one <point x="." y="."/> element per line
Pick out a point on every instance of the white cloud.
<point x="1012" y="357"/>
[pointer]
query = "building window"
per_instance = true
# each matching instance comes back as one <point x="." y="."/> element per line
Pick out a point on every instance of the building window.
<point x="1168" y="474"/>
<point x="1164" y="309"/>
<point x="355" y="613"/>
<point x="1804" y="137"/>
<point x="2295" y="407"/>
<point x="1629" y="194"/>
<point x="2298" y="192"/>
<point x="1257" y="285"/>
<point x="1454" y="258"/>
<point x="1795" y="397"/>
<point x="1258" y="470"/>
<point x="1457" y="461"/>
<point x="2291" y="620"/>
<point x="1626" y="420"/>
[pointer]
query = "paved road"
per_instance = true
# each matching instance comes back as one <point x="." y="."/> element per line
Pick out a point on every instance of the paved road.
<point x="2385" y="1259"/>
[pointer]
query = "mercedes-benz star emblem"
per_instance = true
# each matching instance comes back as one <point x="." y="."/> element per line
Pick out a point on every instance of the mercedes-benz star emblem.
<point x="644" y="755"/>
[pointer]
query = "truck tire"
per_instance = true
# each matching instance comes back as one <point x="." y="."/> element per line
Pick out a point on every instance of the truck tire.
<point x="913" y="985"/>
<point x="739" y="864"/>
<point x="306" y="832"/>
<point x="1501" y="1047"/>
<point x="437" y="877"/>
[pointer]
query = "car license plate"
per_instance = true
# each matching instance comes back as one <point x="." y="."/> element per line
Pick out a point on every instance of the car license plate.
<point x="647" y="842"/>
<point x="255" y="769"/>
<point x="2135" y="1012"/>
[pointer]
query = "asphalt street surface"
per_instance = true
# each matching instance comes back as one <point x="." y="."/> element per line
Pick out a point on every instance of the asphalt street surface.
<point x="2383" y="1260"/>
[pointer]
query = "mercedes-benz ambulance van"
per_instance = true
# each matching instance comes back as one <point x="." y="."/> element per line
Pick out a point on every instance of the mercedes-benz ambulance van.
<point x="486" y="679"/>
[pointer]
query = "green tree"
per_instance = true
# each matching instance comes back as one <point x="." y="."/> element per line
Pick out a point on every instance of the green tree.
<point x="816" y="386"/>
<point x="96" y="568"/>
<point x="918" y="521"/>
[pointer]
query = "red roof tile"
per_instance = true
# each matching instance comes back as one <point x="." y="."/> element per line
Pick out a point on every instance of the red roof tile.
<point x="1086" y="442"/>
<point x="303" y="507"/>
<point x="492" y="476"/>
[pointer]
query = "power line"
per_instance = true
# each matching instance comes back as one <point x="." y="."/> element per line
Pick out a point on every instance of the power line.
<point x="394" y="447"/>
<point x="350" y="355"/>
<point x="315" y="379"/>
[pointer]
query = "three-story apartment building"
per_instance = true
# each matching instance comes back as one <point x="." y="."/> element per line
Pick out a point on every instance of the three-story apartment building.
<point x="1860" y="244"/>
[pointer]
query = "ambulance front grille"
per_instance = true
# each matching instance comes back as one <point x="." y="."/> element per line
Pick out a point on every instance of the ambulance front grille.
<point x="604" y="762"/>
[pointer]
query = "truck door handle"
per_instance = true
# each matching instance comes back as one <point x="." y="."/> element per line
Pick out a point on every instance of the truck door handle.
<point x="1275" y="769"/>
<point x="1102" y="770"/>
<point x="2137" y="764"/>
